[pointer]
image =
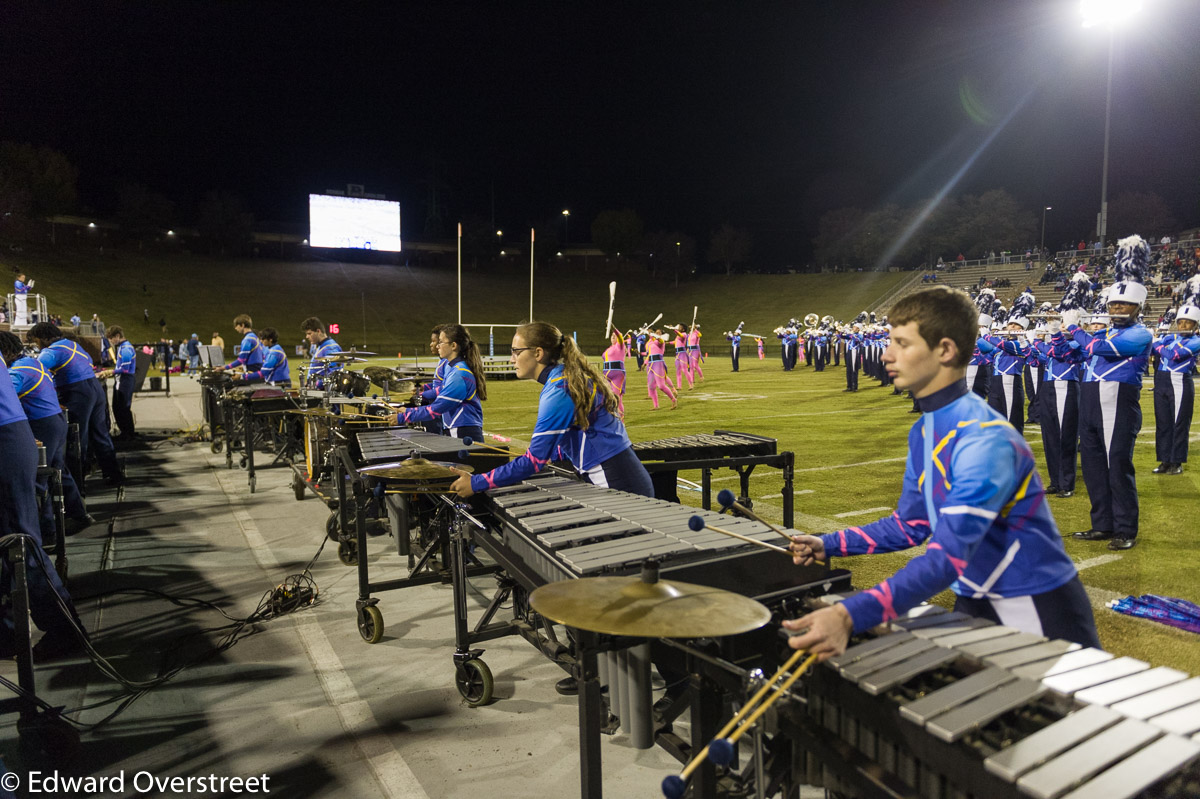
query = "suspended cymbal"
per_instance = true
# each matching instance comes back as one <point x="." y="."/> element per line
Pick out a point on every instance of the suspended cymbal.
<point x="416" y="471"/>
<point x="628" y="606"/>
<point x="343" y="357"/>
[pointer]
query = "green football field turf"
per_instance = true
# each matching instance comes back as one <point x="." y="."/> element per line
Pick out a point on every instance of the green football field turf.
<point x="850" y="450"/>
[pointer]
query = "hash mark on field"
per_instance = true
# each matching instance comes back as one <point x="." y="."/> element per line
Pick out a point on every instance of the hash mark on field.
<point x="794" y="493"/>
<point x="859" y="512"/>
<point x="1099" y="560"/>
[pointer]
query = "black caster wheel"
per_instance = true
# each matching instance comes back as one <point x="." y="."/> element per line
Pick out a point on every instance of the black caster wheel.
<point x="348" y="552"/>
<point x="474" y="682"/>
<point x="47" y="739"/>
<point x="370" y="624"/>
<point x="253" y="483"/>
<point x="243" y="463"/>
<point x="298" y="488"/>
<point x="216" y="446"/>
<point x="331" y="526"/>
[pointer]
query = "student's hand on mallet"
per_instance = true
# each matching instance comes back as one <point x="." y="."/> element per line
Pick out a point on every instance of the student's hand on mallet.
<point x="806" y="549"/>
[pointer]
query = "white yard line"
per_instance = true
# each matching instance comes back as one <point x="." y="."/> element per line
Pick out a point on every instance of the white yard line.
<point x="862" y="512"/>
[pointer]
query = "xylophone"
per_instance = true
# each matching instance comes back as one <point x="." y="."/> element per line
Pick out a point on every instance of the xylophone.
<point x="664" y="458"/>
<point x="946" y="705"/>
<point x="245" y="406"/>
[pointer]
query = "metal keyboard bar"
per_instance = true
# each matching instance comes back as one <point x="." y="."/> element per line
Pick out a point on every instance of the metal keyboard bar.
<point x="1129" y="687"/>
<point x="1087" y="760"/>
<point x="1161" y="700"/>
<point x="1048" y="742"/>
<point x="972" y="715"/>
<point x="1078" y="679"/>
<point x="1140" y="770"/>
<point x="954" y="694"/>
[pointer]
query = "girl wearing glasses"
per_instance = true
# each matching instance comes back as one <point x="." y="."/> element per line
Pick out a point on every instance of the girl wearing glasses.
<point x="576" y="419"/>
<point x="463" y="386"/>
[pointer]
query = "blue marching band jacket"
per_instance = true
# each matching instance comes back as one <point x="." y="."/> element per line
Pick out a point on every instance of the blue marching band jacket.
<point x="250" y="353"/>
<point x="1009" y="355"/>
<point x="274" y="367"/>
<point x="973" y="495"/>
<point x="456" y="402"/>
<point x="35" y="388"/>
<point x="1177" y="353"/>
<point x="983" y="352"/>
<point x="126" y="359"/>
<point x="1117" y="354"/>
<point x="322" y="350"/>
<point x="557" y="437"/>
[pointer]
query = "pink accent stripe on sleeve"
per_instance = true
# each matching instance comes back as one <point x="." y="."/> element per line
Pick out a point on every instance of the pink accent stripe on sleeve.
<point x="883" y="593"/>
<point x="870" y="541"/>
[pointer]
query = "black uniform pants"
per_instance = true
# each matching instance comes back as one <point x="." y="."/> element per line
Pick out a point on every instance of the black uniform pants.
<point x="1059" y="412"/>
<point x="1007" y="396"/>
<point x="87" y="407"/>
<point x="122" y="404"/>
<point x="52" y="432"/>
<point x="1110" y="418"/>
<point x="1174" y="393"/>
<point x="733" y="354"/>
<point x="979" y="377"/>
<point x="852" y="369"/>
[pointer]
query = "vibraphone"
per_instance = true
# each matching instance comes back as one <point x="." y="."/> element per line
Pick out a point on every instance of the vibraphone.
<point x="381" y="445"/>
<point x="552" y="527"/>
<point x="724" y="449"/>
<point x="244" y="407"/>
<point x="950" y="706"/>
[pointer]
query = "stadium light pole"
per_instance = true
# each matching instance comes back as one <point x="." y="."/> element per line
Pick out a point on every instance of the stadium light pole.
<point x="1110" y="13"/>
<point x="1042" y="248"/>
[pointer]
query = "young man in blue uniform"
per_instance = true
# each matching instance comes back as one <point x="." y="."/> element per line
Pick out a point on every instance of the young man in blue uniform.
<point x="1110" y="411"/>
<point x="1058" y="396"/>
<point x="1174" y="392"/>
<point x="80" y="393"/>
<point x="735" y="344"/>
<point x="250" y="353"/>
<point x="19" y="516"/>
<point x="122" y="397"/>
<point x="971" y="492"/>
<point x="274" y="369"/>
<point x="320" y="345"/>
<point x="35" y="390"/>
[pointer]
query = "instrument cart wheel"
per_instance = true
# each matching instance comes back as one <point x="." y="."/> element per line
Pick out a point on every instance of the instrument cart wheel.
<point x="49" y="739"/>
<point x="298" y="488"/>
<point x="243" y="462"/>
<point x="332" y="524"/>
<point x="216" y="446"/>
<point x="253" y="482"/>
<point x="370" y="624"/>
<point x="348" y="552"/>
<point x="474" y="681"/>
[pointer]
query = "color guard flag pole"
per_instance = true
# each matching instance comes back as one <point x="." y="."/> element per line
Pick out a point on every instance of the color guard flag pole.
<point x="530" y="274"/>
<point x="460" y="273"/>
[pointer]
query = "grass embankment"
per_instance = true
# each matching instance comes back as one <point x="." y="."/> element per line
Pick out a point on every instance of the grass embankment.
<point x="199" y="295"/>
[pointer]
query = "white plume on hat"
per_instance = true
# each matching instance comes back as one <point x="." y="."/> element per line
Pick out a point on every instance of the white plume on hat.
<point x="1133" y="257"/>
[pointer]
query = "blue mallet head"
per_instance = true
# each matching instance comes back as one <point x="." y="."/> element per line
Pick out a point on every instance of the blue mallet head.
<point x="720" y="751"/>
<point x="468" y="440"/>
<point x="463" y="454"/>
<point x="696" y="523"/>
<point x="673" y="787"/>
<point x="726" y="498"/>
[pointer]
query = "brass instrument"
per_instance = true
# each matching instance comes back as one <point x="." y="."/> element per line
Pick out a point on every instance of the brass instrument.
<point x="827" y="320"/>
<point x="811" y="320"/>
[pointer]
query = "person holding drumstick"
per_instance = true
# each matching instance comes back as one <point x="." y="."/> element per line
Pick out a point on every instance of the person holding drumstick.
<point x="577" y="419"/>
<point x="971" y="492"/>
<point x="463" y="386"/>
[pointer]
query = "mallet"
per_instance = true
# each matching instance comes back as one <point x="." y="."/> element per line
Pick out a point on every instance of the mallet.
<point x="727" y="500"/>
<point x="696" y="523"/>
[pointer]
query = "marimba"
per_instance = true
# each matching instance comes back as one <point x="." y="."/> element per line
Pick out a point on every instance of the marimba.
<point x="950" y="706"/>
<point x="249" y="404"/>
<point x="664" y="458"/>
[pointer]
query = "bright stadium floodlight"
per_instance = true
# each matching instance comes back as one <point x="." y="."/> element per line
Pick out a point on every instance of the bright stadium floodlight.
<point x="1108" y="12"/>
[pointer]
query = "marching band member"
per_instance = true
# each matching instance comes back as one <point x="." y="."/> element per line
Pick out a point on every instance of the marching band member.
<point x="784" y="354"/>
<point x="854" y="346"/>
<point x="80" y="393"/>
<point x="1110" y="412"/>
<point x="19" y="516"/>
<point x="1006" y="394"/>
<point x="1174" y="391"/>
<point x="640" y="342"/>
<point x="274" y="368"/>
<point x="250" y="352"/>
<point x="614" y="367"/>
<point x="123" y="370"/>
<point x="576" y="419"/>
<point x="21" y="300"/>
<point x="735" y="344"/>
<point x="971" y="491"/>
<point x="320" y="346"/>
<point x="35" y="390"/>
<point x="656" y="369"/>
<point x="428" y="392"/>
<point x="464" y="386"/>
<point x="693" y="352"/>
<point x="1059" y="413"/>
<point x="683" y="364"/>
<point x="761" y="351"/>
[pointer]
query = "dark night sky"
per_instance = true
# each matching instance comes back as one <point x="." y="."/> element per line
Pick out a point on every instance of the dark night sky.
<point x="765" y="115"/>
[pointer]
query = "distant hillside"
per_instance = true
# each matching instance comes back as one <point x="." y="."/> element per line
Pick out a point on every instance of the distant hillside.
<point x="196" y="294"/>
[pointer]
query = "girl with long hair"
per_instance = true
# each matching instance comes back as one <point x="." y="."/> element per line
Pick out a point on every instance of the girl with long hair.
<point x="657" y="378"/>
<point x="463" y="387"/>
<point x="576" y="419"/>
<point x="614" y="367"/>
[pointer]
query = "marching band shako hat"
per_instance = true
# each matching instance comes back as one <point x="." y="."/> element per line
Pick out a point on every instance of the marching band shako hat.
<point x="1023" y="321"/>
<point x="1188" y="312"/>
<point x="1133" y="256"/>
